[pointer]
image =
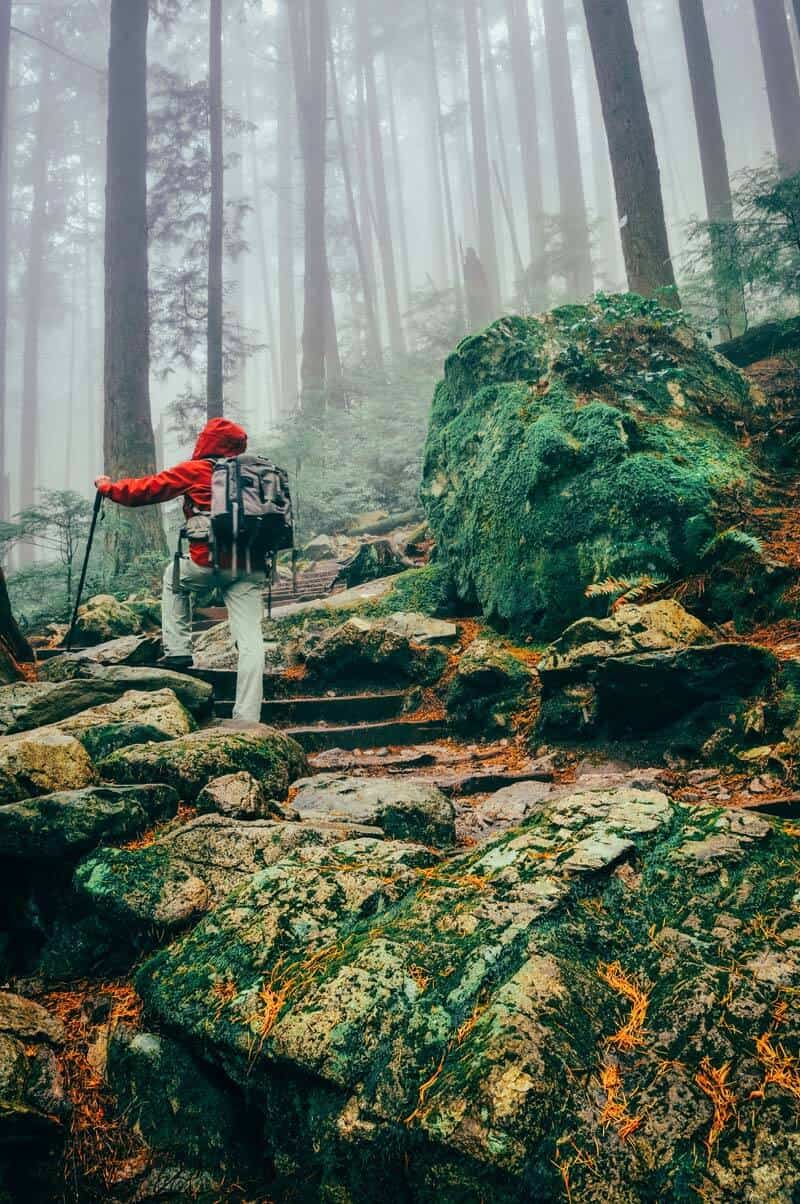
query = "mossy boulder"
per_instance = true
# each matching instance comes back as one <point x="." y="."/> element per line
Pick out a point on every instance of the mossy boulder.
<point x="41" y="762"/>
<point x="127" y="650"/>
<point x="105" y="618"/>
<point x="490" y="685"/>
<point x="585" y="984"/>
<point x="67" y="824"/>
<point x="370" y="650"/>
<point x="186" y="872"/>
<point x="159" y="709"/>
<point x="191" y="762"/>
<point x="403" y="808"/>
<point x="594" y="441"/>
<point x="644" y="669"/>
<point x="429" y="591"/>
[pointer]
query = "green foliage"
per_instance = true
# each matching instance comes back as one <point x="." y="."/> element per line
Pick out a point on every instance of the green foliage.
<point x="758" y="253"/>
<point x="427" y="591"/>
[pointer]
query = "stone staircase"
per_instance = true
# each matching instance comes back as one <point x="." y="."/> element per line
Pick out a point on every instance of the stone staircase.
<point x="335" y="719"/>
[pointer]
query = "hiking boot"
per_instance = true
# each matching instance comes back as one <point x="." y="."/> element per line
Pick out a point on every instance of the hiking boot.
<point x="178" y="663"/>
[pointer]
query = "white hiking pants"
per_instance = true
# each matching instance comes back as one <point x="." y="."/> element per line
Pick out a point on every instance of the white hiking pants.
<point x="243" y="595"/>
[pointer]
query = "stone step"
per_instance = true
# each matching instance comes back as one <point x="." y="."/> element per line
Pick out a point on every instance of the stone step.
<point x="341" y="709"/>
<point x="276" y="683"/>
<point x="397" y="733"/>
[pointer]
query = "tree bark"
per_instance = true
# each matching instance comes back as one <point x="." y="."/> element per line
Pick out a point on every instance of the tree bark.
<point x="713" y="158"/>
<point x="129" y="445"/>
<point x="522" y="76"/>
<point x="499" y="160"/>
<point x="374" y="349"/>
<point x="216" y="225"/>
<point x="380" y="194"/>
<point x="14" y="648"/>
<point x="37" y="243"/>
<point x="433" y="80"/>
<point x="487" y="243"/>
<point x="603" y="181"/>
<point x="632" y="147"/>
<point x="287" y="309"/>
<point x="308" y="37"/>
<point x="782" y="87"/>
<point x="398" y="181"/>
<point x="5" y="45"/>
<point x="568" y="157"/>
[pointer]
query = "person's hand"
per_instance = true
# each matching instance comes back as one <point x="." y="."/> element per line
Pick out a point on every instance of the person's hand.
<point x="103" y="484"/>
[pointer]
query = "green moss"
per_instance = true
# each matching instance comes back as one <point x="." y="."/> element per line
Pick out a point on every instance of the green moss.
<point x="427" y="591"/>
<point x="559" y="445"/>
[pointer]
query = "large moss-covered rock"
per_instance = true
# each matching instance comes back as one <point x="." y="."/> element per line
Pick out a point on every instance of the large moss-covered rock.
<point x="191" y="762"/>
<point x="404" y="808"/>
<point x="370" y="650"/>
<point x="603" y="993"/>
<point x="565" y="448"/>
<point x="643" y="669"/>
<point x="184" y="873"/>
<point x="41" y="762"/>
<point x="104" y="618"/>
<point x="127" y="650"/>
<point x="159" y="709"/>
<point x="490" y="685"/>
<point x="67" y="824"/>
<point x="26" y="705"/>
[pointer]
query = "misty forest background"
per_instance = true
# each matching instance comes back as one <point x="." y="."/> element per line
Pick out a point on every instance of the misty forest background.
<point x="290" y="212"/>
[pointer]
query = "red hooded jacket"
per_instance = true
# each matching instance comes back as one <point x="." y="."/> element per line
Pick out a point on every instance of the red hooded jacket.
<point x="218" y="439"/>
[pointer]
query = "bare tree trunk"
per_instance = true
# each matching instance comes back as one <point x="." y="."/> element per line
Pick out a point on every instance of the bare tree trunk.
<point x="69" y="417"/>
<point x="782" y="87"/>
<point x="430" y="104"/>
<point x="14" y="648"/>
<point x="287" y="313"/>
<point x="5" y="44"/>
<point x="216" y="225"/>
<point x="381" y="197"/>
<point x="603" y="181"/>
<point x="365" y="207"/>
<point x="455" y="258"/>
<point x="713" y="160"/>
<point x="90" y="372"/>
<point x="480" y="151"/>
<point x="568" y="157"/>
<point x="374" y="349"/>
<point x="129" y="445"/>
<point x="261" y="240"/>
<point x="37" y="243"/>
<point x="632" y="147"/>
<point x="308" y="27"/>
<point x="500" y="158"/>
<point x="398" y="181"/>
<point x="519" y="41"/>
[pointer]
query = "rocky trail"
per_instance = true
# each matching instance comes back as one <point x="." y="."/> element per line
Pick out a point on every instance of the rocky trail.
<point x="481" y="912"/>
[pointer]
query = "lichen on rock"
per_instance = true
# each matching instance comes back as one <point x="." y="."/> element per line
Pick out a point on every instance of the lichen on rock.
<point x="592" y="441"/>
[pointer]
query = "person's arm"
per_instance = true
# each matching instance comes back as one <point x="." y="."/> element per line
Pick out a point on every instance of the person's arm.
<point x="148" y="491"/>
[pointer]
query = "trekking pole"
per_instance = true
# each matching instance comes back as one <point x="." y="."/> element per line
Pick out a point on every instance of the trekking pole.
<point x="98" y="506"/>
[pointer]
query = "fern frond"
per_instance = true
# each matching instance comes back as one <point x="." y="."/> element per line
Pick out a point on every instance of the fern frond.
<point x="626" y="589"/>
<point x="733" y="542"/>
<point x="609" y="587"/>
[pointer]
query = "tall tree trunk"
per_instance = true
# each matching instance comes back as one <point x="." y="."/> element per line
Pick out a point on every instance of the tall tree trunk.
<point x="365" y="207"/>
<point x="287" y="312"/>
<point x="522" y="76"/>
<point x="487" y="243"/>
<point x="373" y="338"/>
<point x="91" y="375"/>
<point x="216" y="225"/>
<point x="782" y="88"/>
<point x="603" y="181"/>
<point x="714" y="163"/>
<point x="129" y="445"/>
<point x="14" y="648"/>
<point x="499" y="159"/>
<point x="5" y="43"/>
<point x="37" y="243"/>
<point x="398" y="181"/>
<point x="69" y="417"/>
<point x="261" y="240"/>
<point x="381" y="197"/>
<point x="444" y="163"/>
<point x="308" y="38"/>
<point x="568" y="156"/>
<point x="632" y="147"/>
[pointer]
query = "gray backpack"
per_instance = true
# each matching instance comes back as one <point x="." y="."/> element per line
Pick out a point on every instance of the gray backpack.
<point x="251" y="512"/>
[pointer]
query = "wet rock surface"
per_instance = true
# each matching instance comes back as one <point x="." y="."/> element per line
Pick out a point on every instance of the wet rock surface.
<point x="368" y="650"/>
<point x="239" y="796"/>
<point x="41" y="762"/>
<point x="127" y="650"/>
<point x="407" y="1001"/>
<point x="404" y="809"/>
<point x="191" y="762"/>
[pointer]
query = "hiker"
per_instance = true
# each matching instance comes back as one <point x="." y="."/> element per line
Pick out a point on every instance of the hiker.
<point x="242" y="588"/>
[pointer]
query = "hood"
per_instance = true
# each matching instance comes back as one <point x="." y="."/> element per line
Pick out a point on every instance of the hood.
<point x="220" y="437"/>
